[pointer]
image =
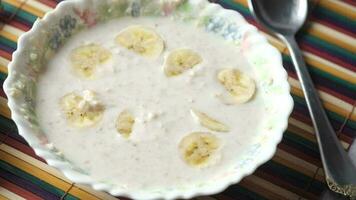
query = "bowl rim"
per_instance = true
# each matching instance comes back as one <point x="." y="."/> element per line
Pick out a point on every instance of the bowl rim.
<point x="26" y="131"/>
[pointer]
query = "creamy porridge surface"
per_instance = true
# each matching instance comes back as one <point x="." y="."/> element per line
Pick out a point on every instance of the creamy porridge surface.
<point x="161" y="106"/>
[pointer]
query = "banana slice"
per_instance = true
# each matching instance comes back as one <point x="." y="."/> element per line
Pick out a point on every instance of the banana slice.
<point x="238" y="84"/>
<point x="82" y="110"/>
<point x="199" y="149"/>
<point x="124" y="123"/>
<point x="180" y="60"/>
<point x="142" y="40"/>
<point x="86" y="58"/>
<point x="209" y="122"/>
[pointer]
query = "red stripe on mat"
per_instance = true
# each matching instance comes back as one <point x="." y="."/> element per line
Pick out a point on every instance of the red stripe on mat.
<point x="352" y="2"/>
<point x="285" y="184"/>
<point x="333" y="26"/>
<point x="335" y="94"/>
<point x="345" y="138"/>
<point x="327" y="56"/>
<point x="49" y="3"/>
<point x="5" y="54"/>
<point x="23" y="148"/>
<point x="2" y="92"/>
<point x="19" y="25"/>
<point x="326" y="90"/>
<point x="18" y="190"/>
<point x="303" y="118"/>
<point x="298" y="153"/>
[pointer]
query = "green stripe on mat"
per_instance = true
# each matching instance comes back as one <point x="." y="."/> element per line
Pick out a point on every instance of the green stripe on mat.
<point x="7" y="125"/>
<point x="8" y="42"/>
<point x="239" y="192"/>
<point x="298" y="179"/>
<point x="2" y="77"/>
<point x="238" y="7"/>
<point x="18" y="172"/>
<point x="317" y="184"/>
<point x="343" y="83"/>
<point x="21" y="13"/>
<point x="317" y="42"/>
<point x="332" y="115"/>
<point x="340" y="19"/>
<point x="317" y="72"/>
<point x="301" y="142"/>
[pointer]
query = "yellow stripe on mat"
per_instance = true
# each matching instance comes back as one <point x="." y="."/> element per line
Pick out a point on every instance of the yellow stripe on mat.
<point x="2" y="197"/>
<point x="4" y="62"/>
<point x="330" y="102"/>
<point x="46" y="172"/>
<point x="298" y="164"/>
<point x="25" y="7"/>
<point x="3" y="68"/>
<point x="34" y="171"/>
<point x="4" y="109"/>
<point x="339" y="7"/>
<point x="298" y="130"/>
<point x="101" y="195"/>
<point x="332" y="36"/>
<point x="327" y="105"/>
<point x="301" y="125"/>
<point x="304" y="134"/>
<point x="316" y="61"/>
<point x="307" y="129"/>
<point x="8" y="35"/>
<point x="38" y="5"/>
<point x="13" y="30"/>
<point x="266" y="188"/>
<point x="275" y="42"/>
<point x="330" y="67"/>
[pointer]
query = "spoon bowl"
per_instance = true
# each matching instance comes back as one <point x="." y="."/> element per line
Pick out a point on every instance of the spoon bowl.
<point x="280" y="16"/>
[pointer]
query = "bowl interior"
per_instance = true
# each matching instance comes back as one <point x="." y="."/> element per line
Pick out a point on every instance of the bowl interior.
<point x="37" y="46"/>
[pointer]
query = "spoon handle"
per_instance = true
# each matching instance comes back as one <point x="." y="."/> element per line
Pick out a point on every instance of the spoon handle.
<point x="337" y="165"/>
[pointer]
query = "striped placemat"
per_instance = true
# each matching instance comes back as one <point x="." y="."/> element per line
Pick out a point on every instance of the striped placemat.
<point x="295" y="171"/>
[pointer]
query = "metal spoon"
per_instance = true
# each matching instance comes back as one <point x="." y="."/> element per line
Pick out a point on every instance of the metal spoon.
<point x="284" y="18"/>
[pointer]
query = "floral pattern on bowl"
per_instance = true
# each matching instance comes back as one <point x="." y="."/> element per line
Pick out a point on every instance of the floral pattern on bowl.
<point x="38" y="45"/>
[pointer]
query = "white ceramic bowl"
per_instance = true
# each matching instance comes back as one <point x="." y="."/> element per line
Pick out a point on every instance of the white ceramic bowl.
<point x="48" y="34"/>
